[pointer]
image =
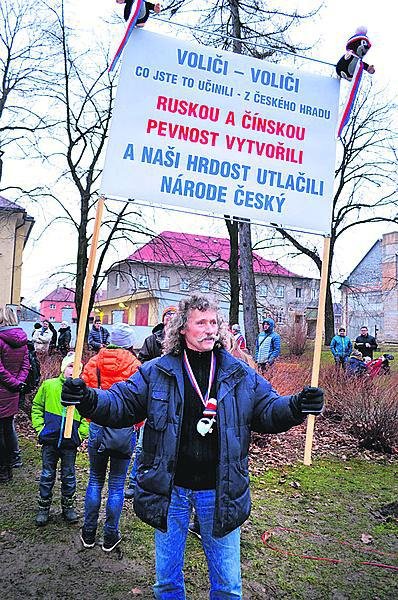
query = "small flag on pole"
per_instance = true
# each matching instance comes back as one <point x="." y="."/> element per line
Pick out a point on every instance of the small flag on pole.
<point x="356" y="81"/>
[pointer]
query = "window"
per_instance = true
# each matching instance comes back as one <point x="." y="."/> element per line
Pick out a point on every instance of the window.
<point x="52" y="306"/>
<point x="117" y="281"/>
<point x="184" y="285"/>
<point x="262" y="290"/>
<point x="205" y="286"/>
<point x="313" y="294"/>
<point x="223" y="286"/>
<point x="298" y="292"/>
<point x="164" y="283"/>
<point x="143" y="281"/>
<point x="280" y="291"/>
<point x="280" y="316"/>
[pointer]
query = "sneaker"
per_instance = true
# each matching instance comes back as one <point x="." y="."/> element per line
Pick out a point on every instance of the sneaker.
<point x="129" y="492"/>
<point x="111" y="541"/>
<point x="87" y="538"/>
<point x="194" y="529"/>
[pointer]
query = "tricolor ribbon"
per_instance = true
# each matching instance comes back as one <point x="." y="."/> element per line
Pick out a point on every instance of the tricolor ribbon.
<point x="210" y="404"/>
<point x="356" y="80"/>
<point x="128" y="32"/>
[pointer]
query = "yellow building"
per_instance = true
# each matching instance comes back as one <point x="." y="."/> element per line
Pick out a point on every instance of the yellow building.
<point x="15" y="227"/>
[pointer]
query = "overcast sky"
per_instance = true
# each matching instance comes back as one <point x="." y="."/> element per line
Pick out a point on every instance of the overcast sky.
<point x="337" y="22"/>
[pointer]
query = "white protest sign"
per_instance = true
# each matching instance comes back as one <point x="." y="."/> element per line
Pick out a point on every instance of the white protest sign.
<point x="216" y="132"/>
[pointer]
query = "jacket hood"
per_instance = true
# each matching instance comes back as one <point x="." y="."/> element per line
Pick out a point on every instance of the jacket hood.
<point x="113" y="360"/>
<point x="158" y="328"/>
<point x="64" y="328"/>
<point x="271" y="323"/>
<point x="13" y="336"/>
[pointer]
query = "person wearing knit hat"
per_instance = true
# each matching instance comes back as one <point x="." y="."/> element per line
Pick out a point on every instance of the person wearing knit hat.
<point x="356" y="365"/>
<point x="122" y="336"/>
<point x="108" y="446"/>
<point x="152" y="346"/>
<point x="48" y="419"/>
<point x="168" y="312"/>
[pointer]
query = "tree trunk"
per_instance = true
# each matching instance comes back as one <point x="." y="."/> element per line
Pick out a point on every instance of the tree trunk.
<point x="82" y="258"/>
<point x="248" y="286"/>
<point x="233" y="262"/>
<point x="329" y="312"/>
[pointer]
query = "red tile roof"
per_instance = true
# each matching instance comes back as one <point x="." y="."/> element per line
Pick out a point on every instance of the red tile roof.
<point x="192" y="250"/>
<point x="63" y="294"/>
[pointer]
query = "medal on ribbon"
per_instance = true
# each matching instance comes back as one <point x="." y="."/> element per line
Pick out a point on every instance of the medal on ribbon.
<point x="205" y="424"/>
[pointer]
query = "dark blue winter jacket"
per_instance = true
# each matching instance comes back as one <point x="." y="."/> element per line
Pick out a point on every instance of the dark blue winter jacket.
<point x="246" y="402"/>
<point x="98" y="337"/>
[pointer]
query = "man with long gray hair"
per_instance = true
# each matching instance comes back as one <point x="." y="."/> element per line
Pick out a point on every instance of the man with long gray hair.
<point x="201" y="404"/>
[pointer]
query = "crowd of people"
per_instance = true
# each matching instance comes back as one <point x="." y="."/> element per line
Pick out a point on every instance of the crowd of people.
<point x="192" y="396"/>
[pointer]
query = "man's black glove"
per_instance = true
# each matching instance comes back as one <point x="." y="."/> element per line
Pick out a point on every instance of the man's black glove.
<point x="309" y="400"/>
<point x="75" y="392"/>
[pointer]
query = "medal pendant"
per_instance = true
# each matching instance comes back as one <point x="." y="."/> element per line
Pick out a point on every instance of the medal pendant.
<point x="204" y="425"/>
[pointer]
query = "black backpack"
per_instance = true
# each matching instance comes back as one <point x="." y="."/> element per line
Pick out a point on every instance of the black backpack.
<point x="33" y="379"/>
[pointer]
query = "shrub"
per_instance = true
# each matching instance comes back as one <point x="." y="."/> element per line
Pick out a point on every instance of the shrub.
<point x="296" y="339"/>
<point x="368" y="407"/>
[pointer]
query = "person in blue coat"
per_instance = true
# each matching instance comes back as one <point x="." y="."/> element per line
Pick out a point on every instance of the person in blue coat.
<point x="201" y="404"/>
<point x="268" y="346"/>
<point x="341" y="348"/>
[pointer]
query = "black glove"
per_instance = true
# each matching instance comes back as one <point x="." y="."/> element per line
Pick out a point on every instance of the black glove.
<point x="76" y="393"/>
<point x="310" y="400"/>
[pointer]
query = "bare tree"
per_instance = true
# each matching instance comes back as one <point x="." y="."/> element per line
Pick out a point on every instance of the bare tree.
<point x="25" y="61"/>
<point x="83" y="94"/>
<point x="366" y="181"/>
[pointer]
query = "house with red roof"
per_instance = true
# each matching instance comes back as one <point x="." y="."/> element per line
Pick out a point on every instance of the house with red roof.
<point x="59" y="305"/>
<point x="172" y="265"/>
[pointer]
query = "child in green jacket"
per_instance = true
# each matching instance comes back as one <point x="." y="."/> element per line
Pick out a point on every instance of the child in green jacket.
<point x="48" y="419"/>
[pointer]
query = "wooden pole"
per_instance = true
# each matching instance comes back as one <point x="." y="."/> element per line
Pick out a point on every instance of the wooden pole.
<point x="316" y="360"/>
<point x="88" y="283"/>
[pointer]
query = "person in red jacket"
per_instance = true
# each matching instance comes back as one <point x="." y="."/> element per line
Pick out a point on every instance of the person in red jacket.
<point x="14" y="369"/>
<point x="115" y="363"/>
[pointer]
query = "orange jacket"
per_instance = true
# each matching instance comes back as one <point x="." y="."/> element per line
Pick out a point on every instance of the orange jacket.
<point x="109" y="366"/>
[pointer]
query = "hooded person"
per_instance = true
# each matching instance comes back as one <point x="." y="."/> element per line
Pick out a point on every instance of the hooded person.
<point x="152" y="346"/>
<point x="48" y="419"/>
<point x="14" y="369"/>
<point x="64" y="338"/>
<point x="268" y="345"/>
<point x="108" y="446"/>
<point x="356" y="365"/>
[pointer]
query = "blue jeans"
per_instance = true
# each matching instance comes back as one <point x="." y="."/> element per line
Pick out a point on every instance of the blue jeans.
<point x="222" y="554"/>
<point x="50" y="457"/>
<point x="114" y="503"/>
<point x="138" y="450"/>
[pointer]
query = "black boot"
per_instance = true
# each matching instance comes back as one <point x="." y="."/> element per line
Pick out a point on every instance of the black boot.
<point x="5" y="474"/>
<point x="68" y="509"/>
<point x="43" y="513"/>
<point x="15" y="459"/>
